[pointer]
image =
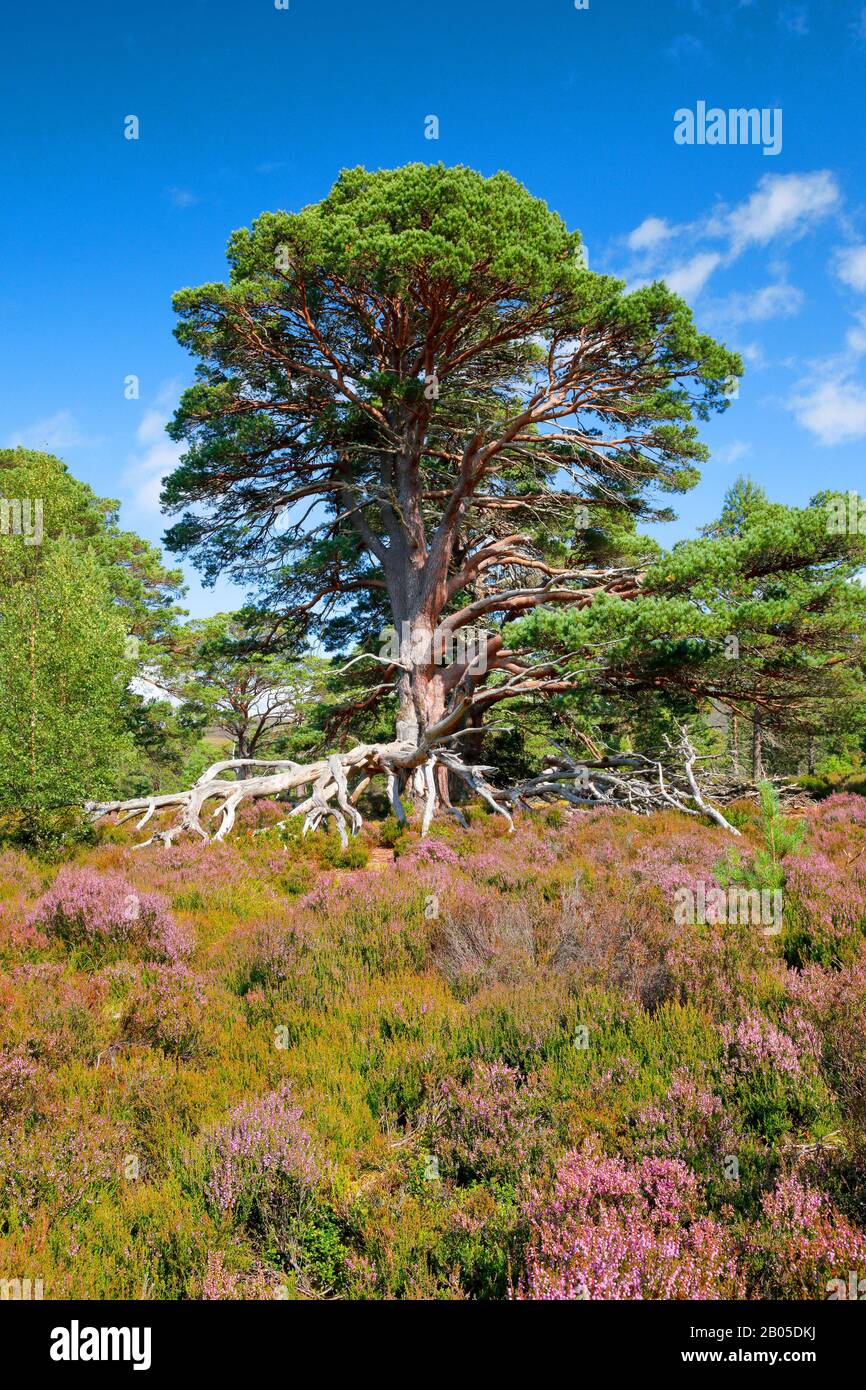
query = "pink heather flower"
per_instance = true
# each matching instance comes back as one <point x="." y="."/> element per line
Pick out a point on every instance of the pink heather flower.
<point x="827" y="902"/>
<point x="614" y="1230"/>
<point x="846" y="808"/>
<point x="225" y="1284"/>
<point x="261" y="1154"/>
<point x="84" y="907"/>
<point x="18" y="1074"/>
<point x="166" y="1010"/>
<point x="803" y="1243"/>
<point x="756" y="1044"/>
<point x="489" y="1128"/>
<point x="362" y="1275"/>
<point x="690" y="1122"/>
<point x="430" y="852"/>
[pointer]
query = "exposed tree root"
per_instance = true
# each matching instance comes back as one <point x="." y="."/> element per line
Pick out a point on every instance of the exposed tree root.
<point x="631" y="782"/>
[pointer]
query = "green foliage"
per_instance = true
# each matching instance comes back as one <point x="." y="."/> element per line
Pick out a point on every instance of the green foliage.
<point x="133" y="597"/>
<point x="144" y="591"/>
<point x="62" y="675"/>
<point x="781" y="836"/>
<point x="764" y="607"/>
<point x="241" y="673"/>
<point x="304" y="409"/>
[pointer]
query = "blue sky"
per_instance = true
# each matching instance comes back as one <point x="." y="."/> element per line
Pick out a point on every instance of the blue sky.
<point x="244" y="107"/>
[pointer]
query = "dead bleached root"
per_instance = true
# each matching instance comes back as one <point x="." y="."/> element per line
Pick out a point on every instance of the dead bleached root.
<point x="630" y="782"/>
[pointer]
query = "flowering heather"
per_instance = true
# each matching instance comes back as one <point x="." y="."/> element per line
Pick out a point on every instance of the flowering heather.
<point x="804" y="1033"/>
<point x="102" y="910"/>
<point x="802" y="1243"/>
<point x="223" y="1284"/>
<point x="262" y="1154"/>
<point x="429" y="852"/>
<point x="828" y="909"/>
<point x="18" y="1074"/>
<point x="614" y="1230"/>
<point x="691" y="1122"/>
<point x="508" y="868"/>
<point x="843" y="809"/>
<point x="256" y="815"/>
<point x="488" y="1000"/>
<point x="755" y="1044"/>
<point x="490" y="1127"/>
<point x="270" y="954"/>
<point x="58" y="1167"/>
<point x="166" y="1010"/>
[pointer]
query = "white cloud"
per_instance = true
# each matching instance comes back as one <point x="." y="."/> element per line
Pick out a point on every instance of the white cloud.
<point x="779" y="301"/>
<point x="59" y="431"/>
<point x="651" y="233"/>
<point x="733" y="452"/>
<point x="850" y="266"/>
<point x="752" y="353"/>
<point x="689" y="278"/>
<point x="833" y="411"/>
<point x="158" y="455"/>
<point x="855" y="338"/>
<point x="783" y="205"/>
<point x="181" y="197"/>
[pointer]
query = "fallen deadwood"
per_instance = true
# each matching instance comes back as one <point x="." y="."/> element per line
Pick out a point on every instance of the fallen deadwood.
<point x="630" y="782"/>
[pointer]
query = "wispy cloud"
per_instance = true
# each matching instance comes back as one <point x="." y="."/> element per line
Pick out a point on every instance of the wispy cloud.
<point x="779" y="301"/>
<point x="784" y="206"/>
<point x="834" y="412"/>
<point x="782" y="209"/>
<point x="855" y="338"/>
<point x="157" y="455"/>
<point x="830" y="402"/>
<point x="689" y="278"/>
<point x="850" y="266"/>
<point x="733" y="452"/>
<point x="181" y="197"/>
<point x="652" y="232"/>
<point x="55" y="432"/>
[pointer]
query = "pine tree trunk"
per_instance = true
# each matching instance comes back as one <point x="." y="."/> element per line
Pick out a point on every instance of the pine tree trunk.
<point x="757" y="750"/>
<point x="735" y="745"/>
<point x="421" y="694"/>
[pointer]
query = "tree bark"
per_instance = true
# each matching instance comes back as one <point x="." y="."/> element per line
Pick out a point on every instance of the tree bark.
<point x="757" y="750"/>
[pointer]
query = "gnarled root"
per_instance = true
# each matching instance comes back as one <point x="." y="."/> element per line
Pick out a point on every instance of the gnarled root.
<point x="631" y="782"/>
